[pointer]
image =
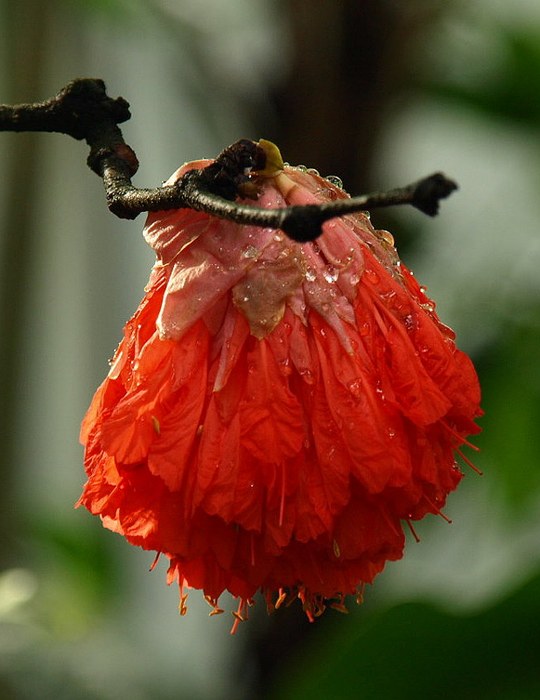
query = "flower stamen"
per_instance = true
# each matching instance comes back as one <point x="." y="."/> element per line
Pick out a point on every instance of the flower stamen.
<point x="469" y="463"/>
<point x="240" y="615"/>
<point x="461" y="439"/>
<point x="339" y="605"/>
<point x="282" y="499"/>
<point x="282" y="595"/>
<point x="154" y="563"/>
<point x="252" y="549"/>
<point x="182" y="607"/>
<point x="413" y="531"/>
<point x="437" y="510"/>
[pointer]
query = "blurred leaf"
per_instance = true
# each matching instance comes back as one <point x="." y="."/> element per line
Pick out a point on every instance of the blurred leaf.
<point x="510" y="441"/>
<point x="78" y="575"/>
<point x="512" y="93"/>
<point x="112" y="8"/>
<point x="415" y="651"/>
<point x="82" y="548"/>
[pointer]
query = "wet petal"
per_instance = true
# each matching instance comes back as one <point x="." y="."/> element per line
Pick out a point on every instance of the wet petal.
<point x="276" y="409"/>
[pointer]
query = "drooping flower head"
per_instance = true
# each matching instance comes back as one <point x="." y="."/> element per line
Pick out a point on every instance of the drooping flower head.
<point x="276" y="411"/>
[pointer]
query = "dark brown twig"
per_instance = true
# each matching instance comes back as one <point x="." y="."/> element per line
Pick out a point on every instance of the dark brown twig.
<point x="84" y="111"/>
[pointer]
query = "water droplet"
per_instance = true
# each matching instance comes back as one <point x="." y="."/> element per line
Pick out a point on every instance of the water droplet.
<point x="409" y="321"/>
<point x="391" y="433"/>
<point x="355" y="387"/>
<point x="312" y="171"/>
<point x="330" y="454"/>
<point x="307" y="376"/>
<point x="335" y="180"/>
<point x="354" y="278"/>
<point x="372" y="276"/>
<point x="364" y="329"/>
<point x="250" y="251"/>
<point x="386" y="237"/>
<point x="284" y="368"/>
<point x="330" y="274"/>
<point x="388" y="296"/>
<point x="310" y="274"/>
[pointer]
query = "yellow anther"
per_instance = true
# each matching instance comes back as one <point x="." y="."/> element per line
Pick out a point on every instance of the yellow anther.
<point x="274" y="161"/>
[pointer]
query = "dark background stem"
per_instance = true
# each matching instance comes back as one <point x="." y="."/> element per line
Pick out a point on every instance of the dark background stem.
<point x="17" y="255"/>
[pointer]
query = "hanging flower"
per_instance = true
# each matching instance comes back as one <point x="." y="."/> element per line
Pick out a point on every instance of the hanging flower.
<point x="277" y="410"/>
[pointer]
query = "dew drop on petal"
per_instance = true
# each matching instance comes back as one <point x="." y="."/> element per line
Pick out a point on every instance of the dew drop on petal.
<point x="307" y="376"/>
<point x="335" y="180"/>
<point x="364" y="329"/>
<point x="284" y="368"/>
<point x="330" y="274"/>
<point x="409" y="321"/>
<point x="250" y="252"/>
<point x="428" y="307"/>
<point x="386" y="237"/>
<point x="372" y="276"/>
<point x="355" y="387"/>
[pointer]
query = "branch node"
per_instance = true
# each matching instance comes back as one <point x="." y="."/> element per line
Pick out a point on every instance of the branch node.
<point x="430" y="190"/>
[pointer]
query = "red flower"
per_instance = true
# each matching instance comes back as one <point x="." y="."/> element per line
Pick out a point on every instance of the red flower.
<point x="276" y="410"/>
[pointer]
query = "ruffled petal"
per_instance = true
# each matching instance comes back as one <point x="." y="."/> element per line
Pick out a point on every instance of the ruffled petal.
<point x="274" y="409"/>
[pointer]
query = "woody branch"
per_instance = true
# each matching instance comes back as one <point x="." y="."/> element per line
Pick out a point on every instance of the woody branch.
<point x="84" y="111"/>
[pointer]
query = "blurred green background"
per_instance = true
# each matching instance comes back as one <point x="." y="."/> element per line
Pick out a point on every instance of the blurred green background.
<point x="380" y="92"/>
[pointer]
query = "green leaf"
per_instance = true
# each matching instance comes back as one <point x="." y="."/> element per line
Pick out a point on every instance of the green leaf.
<point x="512" y="92"/>
<point x="510" y="442"/>
<point x="416" y="651"/>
